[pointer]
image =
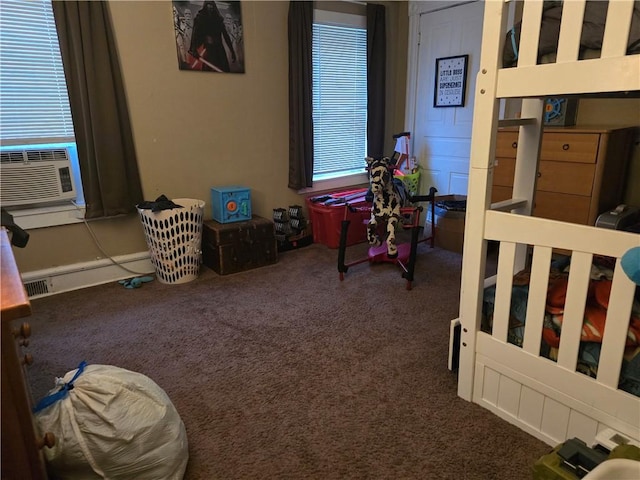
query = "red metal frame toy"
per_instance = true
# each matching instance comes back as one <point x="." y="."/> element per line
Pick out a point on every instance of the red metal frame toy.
<point x="406" y="258"/>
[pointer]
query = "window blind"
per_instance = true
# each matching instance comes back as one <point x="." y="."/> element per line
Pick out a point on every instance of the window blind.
<point x="339" y="100"/>
<point x="33" y="91"/>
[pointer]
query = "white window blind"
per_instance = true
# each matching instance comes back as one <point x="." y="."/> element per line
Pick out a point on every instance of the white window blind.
<point x="339" y="98"/>
<point x="33" y="91"/>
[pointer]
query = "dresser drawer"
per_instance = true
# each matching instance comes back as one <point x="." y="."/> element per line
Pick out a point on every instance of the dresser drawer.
<point x="506" y="144"/>
<point x="556" y="206"/>
<point x="500" y="193"/>
<point x="561" y="177"/>
<point x="503" y="171"/>
<point x="566" y="177"/>
<point x="563" y="207"/>
<point x="570" y="147"/>
<point x="561" y="147"/>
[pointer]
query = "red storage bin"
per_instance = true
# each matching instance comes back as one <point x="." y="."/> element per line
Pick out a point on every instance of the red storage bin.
<point x="327" y="215"/>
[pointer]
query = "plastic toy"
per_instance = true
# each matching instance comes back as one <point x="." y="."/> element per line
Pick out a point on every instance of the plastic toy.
<point x="630" y="262"/>
<point x="388" y="196"/>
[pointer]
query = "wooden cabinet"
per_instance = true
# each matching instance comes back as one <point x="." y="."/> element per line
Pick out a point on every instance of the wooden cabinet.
<point x="581" y="173"/>
<point x="21" y="445"/>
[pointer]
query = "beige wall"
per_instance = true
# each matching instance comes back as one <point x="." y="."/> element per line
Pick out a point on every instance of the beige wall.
<point x="195" y="130"/>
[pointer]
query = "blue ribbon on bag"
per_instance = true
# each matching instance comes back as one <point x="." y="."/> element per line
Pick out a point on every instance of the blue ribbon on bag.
<point x="60" y="394"/>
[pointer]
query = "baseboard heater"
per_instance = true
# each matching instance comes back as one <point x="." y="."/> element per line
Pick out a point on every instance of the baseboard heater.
<point x="76" y="276"/>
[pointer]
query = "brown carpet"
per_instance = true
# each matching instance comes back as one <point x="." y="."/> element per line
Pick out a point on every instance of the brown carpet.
<point x="284" y="372"/>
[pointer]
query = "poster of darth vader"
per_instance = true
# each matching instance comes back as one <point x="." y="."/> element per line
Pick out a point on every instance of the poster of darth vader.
<point x="209" y="36"/>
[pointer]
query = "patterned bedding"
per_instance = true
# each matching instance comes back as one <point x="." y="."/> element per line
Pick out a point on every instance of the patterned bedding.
<point x="594" y="319"/>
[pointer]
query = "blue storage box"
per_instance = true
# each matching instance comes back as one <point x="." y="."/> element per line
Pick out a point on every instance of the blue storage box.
<point x="231" y="204"/>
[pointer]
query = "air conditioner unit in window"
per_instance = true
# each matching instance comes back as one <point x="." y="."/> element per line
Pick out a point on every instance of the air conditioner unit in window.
<point x="38" y="176"/>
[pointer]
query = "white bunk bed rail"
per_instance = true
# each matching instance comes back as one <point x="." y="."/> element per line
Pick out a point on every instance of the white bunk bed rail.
<point x="546" y="398"/>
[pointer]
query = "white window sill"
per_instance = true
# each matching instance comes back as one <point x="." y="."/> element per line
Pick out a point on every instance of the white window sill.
<point x="336" y="183"/>
<point x="50" y="216"/>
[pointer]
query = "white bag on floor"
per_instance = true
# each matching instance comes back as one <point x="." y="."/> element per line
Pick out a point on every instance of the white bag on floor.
<point x="115" y="424"/>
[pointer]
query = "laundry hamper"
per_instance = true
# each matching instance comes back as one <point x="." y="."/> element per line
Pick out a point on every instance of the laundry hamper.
<point x="411" y="182"/>
<point x="174" y="238"/>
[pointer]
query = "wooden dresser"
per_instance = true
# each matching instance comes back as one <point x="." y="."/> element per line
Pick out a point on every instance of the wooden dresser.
<point x="22" y="457"/>
<point x="581" y="174"/>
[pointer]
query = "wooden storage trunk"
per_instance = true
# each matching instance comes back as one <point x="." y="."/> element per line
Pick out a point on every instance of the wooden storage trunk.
<point x="239" y="246"/>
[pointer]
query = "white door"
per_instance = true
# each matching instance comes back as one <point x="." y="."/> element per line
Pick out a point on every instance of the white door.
<point x="442" y="136"/>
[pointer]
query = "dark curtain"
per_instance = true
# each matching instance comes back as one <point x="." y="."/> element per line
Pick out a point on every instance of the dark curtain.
<point x="300" y="89"/>
<point x="300" y="95"/>
<point x="110" y="177"/>
<point x="376" y="72"/>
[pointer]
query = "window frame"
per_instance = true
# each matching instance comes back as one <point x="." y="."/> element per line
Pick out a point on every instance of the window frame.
<point x="38" y="216"/>
<point x="326" y="17"/>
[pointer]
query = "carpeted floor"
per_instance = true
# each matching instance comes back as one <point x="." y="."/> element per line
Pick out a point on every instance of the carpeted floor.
<point x="284" y="372"/>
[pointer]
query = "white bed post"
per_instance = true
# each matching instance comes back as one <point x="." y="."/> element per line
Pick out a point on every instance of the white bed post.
<point x="530" y="137"/>
<point x="483" y="140"/>
<point x="527" y="159"/>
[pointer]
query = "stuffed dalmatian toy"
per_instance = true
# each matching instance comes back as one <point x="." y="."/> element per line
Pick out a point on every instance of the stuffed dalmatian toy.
<point x="389" y="195"/>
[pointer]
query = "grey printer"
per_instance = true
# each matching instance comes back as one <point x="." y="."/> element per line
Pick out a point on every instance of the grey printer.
<point x="619" y="218"/>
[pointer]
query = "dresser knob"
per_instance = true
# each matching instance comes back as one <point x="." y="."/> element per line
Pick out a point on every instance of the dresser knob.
<point x="565" y="147"/>
<point x="48" y="440"/>
<point x="28" y="359"/>
<point x="24" y="331"/>
<point x="514" y="145"/>
<point x="539" y="174"/>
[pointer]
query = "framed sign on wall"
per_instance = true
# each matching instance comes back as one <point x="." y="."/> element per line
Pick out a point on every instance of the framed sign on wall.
<point x="209" y="35"/>
<point x="451" y="81"/>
